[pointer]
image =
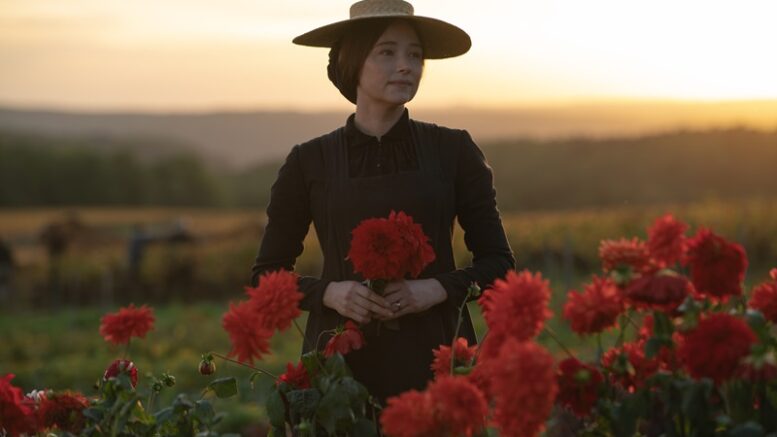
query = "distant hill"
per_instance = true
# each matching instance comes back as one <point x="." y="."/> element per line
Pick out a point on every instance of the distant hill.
<point x="675" y="167"/>
<point x="244" y="138"/>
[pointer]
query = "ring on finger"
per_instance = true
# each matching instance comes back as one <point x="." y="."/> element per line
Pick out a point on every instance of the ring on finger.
<point x="398" y="305"/>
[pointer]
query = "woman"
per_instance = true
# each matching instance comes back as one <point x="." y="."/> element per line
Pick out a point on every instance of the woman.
<point x="381" y="160"/>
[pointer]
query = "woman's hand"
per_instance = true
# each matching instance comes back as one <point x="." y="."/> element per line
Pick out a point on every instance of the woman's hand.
<point x="412" y="296"/>
<point x="355" y="301"/>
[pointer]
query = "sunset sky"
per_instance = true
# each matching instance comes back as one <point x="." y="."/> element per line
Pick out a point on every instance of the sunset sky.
<point x="237" y="54"/>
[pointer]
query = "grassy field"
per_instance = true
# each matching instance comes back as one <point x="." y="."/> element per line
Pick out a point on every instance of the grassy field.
<point x="63" y="350"/>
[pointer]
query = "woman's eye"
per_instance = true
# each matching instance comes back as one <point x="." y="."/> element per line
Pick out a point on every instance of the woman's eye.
<point x="416" y="55"/>
<point x="386" y="52"/>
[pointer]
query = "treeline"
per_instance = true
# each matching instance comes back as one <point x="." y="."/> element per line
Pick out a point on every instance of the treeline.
<point x="675" y="167"/>
<point x="43" y="171"/>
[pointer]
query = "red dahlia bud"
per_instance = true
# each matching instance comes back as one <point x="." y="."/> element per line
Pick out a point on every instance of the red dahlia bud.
<point x="207" y="367"/>
<point x="119" y="366"/>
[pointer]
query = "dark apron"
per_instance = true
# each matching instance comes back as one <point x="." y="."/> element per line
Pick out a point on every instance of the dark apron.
<point x="392" y="361"/>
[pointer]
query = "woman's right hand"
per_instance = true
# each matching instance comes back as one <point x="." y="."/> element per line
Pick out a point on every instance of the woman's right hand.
<point x="355" y="301"/>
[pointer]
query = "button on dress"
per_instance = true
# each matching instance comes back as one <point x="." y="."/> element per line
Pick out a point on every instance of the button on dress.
<point x="434" y="174"/>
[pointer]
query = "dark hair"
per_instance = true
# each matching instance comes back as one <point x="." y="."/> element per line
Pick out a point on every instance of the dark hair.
<point x="347" y="57"/>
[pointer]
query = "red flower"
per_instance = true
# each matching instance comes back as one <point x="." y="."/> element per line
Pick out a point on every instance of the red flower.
<point x="517" y="305"/>
<point x="296" y="377"/>
<point x="628" y="365"/>
<point x="666" y="241"/>
<point x="764" y="299"/>
<point x="596" y="308"/>
<point x="461" y="408"/>
<point x="660" y="291"/>
<point x="624" y="253"/>
<point x="410" y="414"/>
<point x="717" y="266"/>
<point x="118" y="328"/>
<point x="64" y="411"/>
<point x="250" y="339"/>
<point x="390" y="248"/>
<point x="276" y="299"/>
<point x="716" y="346"/>
<point x="578" y="386"/>
<point x="119" y="366"/>
<point x="345" y="340"/>
<point x="523" y="382"/>
<point x="16" y="415"/>
<point x="442" y="357"/>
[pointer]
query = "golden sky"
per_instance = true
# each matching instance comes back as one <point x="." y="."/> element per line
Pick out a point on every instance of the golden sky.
<point x="236" y="54"/>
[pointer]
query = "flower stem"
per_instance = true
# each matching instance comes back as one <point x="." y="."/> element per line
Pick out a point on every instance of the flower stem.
<point x="126" y="349"/>
<point x="301" y="332"/>
<point x="244" y="364"/>
<point x="151" y="397"/>
<point x="458" y="326"/>
<point x="555" y="338"/>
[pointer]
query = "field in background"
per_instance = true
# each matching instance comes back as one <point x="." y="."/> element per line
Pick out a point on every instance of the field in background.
<point x="214" y="259"/>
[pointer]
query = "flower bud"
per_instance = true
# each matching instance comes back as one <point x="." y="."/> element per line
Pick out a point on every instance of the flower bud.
<point x="168" y="380"/>
<point x="207" y="367"/>
<point x="156" y="386"/>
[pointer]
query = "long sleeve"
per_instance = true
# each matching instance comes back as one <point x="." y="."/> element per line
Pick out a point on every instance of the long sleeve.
<point x="288" y="221"/>
<point x="477" y="213"/>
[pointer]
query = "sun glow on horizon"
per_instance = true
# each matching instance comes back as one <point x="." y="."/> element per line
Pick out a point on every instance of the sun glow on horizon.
<point x="237" y="53"/>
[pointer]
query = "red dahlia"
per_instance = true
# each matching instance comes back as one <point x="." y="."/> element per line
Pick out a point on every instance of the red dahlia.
<point x="390" y="248"/>
<point x="628" y="365"/>
<point x="442" y="356"/>
<point x="717" y="266"/>
<point x="276" y="299"/>
<point x="296" y="376"/>
<point x="596" y="308"/>
<point x="578" y="386"/>
<point x="410" y="414"/>
<point x="666" y="241"/>
<point x="250" y="339"/>
<point x="764" y="299"/>
<point x="517" y="305"/>
<point x="119" y="366"/>
<point x="64" y="411"/>
<point x="659" y="291"/>
<point x="624" y="253"/>
<point x="16" y="414"/>
<point x="345" y="340"/>
<point x="119" y="327"/>
<point x="716" y="346"/>
<point x="461" y="408"/>
<point x="523" y="382"/>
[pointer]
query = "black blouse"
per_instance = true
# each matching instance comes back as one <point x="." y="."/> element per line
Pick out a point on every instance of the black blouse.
<point x="289" y="212"/>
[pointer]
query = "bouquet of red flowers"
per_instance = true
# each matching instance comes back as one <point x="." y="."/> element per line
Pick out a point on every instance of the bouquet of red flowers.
<point x="387" y="249"/>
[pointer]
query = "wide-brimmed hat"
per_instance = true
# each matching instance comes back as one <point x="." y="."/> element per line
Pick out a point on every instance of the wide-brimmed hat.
<point x="440" y="39"/>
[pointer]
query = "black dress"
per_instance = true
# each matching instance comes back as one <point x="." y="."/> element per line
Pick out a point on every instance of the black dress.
<point x="433" y="174"/>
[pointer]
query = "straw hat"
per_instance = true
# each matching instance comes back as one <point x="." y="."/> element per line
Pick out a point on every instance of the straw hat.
<point x="441" y="39"/>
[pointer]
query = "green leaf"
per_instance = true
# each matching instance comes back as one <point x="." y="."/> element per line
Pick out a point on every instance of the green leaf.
<point x="332" y="408"/>
<point x="311" y="361"/>
<point x="203" y="411"/>
<point x="627" y="413"/>
<point x="303" y="403"/>
<point x="364" y="428"/>
<point x="276" y="410"/>
<point x="335" y="366"/>
<point x="224" y="387"/>
<point x="749" y="429"/>
<point x="93" y="413"/>
<point x="164" y="415"/>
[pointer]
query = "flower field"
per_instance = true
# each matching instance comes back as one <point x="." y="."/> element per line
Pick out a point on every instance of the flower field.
<point x="677" y="318"/>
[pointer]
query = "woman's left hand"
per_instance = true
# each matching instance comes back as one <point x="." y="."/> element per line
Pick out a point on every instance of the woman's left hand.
<point x="412" y="296"/>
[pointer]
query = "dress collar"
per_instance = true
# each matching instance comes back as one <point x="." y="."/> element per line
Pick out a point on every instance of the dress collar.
<point x="400" y="130"/>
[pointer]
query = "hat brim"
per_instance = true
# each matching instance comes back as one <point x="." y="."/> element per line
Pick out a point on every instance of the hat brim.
<point x="440" y="39"/>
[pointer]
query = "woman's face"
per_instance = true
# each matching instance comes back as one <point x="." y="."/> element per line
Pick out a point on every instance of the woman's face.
<point x="393" y="69"/>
